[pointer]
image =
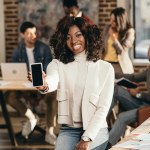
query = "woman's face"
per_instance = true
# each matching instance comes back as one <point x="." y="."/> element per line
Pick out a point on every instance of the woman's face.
<point x="112" y="21"/>
<point x="75" y="40"/>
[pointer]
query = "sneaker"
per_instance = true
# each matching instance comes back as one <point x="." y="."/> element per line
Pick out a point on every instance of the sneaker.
<point x="29" y="126"/>
<point x="50" y="138"/>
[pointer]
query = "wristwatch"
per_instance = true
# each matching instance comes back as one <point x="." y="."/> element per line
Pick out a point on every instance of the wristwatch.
<point x="86" y="139"/>
<point x="138" y="95"/>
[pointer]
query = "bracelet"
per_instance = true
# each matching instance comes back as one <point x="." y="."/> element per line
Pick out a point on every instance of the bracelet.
<point x="86" y="139"/>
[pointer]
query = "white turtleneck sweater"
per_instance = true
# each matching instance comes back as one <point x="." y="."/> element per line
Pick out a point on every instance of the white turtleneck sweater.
<point x="79" y="88"/>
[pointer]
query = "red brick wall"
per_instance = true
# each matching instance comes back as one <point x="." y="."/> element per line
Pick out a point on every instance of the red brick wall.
<point x="11" y="21"/>
<point x="11" y="26"/>
<point x="105" y="7"/>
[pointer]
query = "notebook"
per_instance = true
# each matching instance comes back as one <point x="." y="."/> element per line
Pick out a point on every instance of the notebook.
<point x="126" y="82"/>
<point x="14" y="71"/>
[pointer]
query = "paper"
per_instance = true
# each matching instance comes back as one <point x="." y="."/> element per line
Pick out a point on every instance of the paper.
<point x="134" y="144"/>
<point x="143" y="137"/>
<point x="128" y="144"/>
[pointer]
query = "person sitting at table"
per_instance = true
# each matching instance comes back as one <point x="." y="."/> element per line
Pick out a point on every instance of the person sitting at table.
<point x="30" y="50"/>
<point x="130" y="100"/>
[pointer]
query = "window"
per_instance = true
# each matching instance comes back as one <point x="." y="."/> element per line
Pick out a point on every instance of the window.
<point x="141" y="20"/>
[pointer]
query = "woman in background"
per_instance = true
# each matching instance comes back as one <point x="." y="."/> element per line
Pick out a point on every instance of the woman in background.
<point x="81" y="80"/>
<point x="119" y="36"/>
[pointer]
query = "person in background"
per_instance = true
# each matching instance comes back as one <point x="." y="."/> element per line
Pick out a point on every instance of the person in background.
<point x="130" y="100"/>
<point x="78" y="48"/>
<point x="119" y="36"/>
<point x="71" y="8"/>
<point x="29" y="50"/>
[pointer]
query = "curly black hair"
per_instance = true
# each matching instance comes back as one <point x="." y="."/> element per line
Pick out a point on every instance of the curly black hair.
<point x="92" y="35"/>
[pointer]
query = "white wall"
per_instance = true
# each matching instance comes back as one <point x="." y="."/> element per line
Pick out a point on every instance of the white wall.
<point x="2" y="32"/>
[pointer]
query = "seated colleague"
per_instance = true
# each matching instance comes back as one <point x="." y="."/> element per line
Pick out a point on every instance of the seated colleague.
<point x="71" y="8"/>
<point x="77" y="57"/>
<point x="118" y="39"/>
<point x="130" y="100"/>
<point x="29" y="50"/>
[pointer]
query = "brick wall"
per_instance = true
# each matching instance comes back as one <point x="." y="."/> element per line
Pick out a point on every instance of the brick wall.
<point x="11" y="26"/>
<point x="11" y="21"/>
<point x="105" y="7"/>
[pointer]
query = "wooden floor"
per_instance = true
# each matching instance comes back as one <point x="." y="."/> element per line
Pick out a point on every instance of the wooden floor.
<point x="35" y="142"/>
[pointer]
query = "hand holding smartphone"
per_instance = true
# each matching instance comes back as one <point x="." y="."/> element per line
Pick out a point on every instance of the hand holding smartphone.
<point x="36" y="72"/>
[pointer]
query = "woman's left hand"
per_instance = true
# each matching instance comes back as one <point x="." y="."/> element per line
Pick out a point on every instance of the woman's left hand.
<point x="83" y="145"/>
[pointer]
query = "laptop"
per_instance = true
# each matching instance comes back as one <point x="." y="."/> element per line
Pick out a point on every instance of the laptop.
<point x="14" y="71"/>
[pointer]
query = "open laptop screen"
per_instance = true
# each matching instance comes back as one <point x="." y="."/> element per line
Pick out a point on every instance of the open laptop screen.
<point x="14" y="71"/>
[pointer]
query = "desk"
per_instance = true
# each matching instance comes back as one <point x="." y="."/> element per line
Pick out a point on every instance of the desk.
<point x="11" y="85"/>
<point x="143" y="128"/>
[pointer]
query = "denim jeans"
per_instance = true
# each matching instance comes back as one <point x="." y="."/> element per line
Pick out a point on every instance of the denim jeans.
<point x="130" y="106"/>
<point x="120" y="124"/>
<point x="127" y="101"/>
<point x="69" y="137"/>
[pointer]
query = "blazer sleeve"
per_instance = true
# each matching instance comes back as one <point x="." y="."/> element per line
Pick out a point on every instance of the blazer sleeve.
<point x="105" y="99"/>
<point x="135" y="77"/>
<point x="52" y="76"/>
<point x="126" y="43"/>
<point x="138" y="77"/>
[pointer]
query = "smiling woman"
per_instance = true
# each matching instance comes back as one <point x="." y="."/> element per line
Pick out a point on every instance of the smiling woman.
<point x="81" y="79"/>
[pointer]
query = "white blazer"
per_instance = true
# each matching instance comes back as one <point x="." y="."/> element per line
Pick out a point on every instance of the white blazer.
<point x="97" y="94"/>
<point x="124" y="59"/>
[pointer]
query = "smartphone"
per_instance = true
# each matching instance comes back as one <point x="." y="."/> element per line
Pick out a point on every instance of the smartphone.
<point x="36" y="72"/>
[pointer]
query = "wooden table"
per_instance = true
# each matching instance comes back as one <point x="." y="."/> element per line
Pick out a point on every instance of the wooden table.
<point x="11" y="85"/>
<point x="143" y="128"/>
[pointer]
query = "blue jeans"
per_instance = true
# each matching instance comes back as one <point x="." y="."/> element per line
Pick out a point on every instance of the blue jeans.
<point x="127" y="101"/>
<point x="119" y="127"/>
<point x="130" y="106"/>
<point x="69" y="137"/>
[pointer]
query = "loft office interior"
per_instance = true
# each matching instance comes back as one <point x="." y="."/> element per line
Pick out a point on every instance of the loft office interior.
<point x="137" y="10"/>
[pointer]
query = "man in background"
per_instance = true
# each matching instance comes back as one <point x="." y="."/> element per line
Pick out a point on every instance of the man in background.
<point x="30" y="50"/>
<point x="71" y="8"/>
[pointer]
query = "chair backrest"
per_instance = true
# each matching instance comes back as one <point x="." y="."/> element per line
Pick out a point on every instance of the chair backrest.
<point x="143" y="114"/>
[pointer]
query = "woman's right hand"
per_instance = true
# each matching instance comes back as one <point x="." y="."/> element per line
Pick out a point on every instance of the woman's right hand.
<point x="112" y="34"/>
